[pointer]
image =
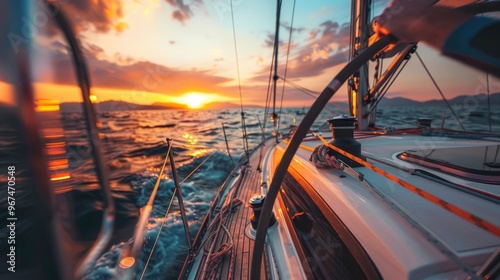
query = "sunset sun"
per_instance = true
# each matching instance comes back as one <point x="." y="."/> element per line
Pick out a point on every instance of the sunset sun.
<point x="194" y="100"/>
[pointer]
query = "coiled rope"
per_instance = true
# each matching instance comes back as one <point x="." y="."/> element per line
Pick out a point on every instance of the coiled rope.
<point x="214" y="260"/>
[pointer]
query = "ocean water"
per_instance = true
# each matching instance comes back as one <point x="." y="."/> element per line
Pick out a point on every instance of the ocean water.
<point x="134" y="148"/>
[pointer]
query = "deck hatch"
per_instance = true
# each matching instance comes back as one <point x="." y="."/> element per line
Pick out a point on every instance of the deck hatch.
<point x="479" y="163"/>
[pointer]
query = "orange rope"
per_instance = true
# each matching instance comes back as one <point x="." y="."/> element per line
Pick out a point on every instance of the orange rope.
<point x="469" y="217"/>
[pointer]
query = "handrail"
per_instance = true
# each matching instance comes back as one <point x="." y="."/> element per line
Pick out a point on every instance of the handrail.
<point x="83" y="78"/>
<point x="50" y="234"/>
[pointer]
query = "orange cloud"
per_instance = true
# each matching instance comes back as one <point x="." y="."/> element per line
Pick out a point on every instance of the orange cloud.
<point x="97" y="15"/>
<point x="102" y="15"/>
<point x="126" y="73"/>
<point x="180" y="16"/>
<point x="119" y="27"/>
<point x="325" y="46"/>
<point x="183" y="12"/>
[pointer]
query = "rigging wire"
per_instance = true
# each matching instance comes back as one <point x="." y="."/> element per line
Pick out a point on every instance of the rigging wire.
<point x="488" y="92"/>
<point x="386" y="87"/>
<point x="196" y="168"/>
<point x="227" y="144"/>
<point x="236" y="55"/>
<point x="286" y="63"/>
<point x="371" y="93"/>
<point x="489" y="101"/>
<point x="145" y="214"/>
<point x="376" y="73"/>
<point x="440" y="91"/>
<point x="401" y="121"/>
<point x="381" y="64"/>
<point x="157" y="184"/>
<point x="243" y="126"/>
<point x="276" y="54"/>
<point x="158" y="235"/>
<point x="309" y="92"/>
<point x="266" y="112"/>
<point x="315" y="94"/>
<point x="367" y="79"/>
<point x="169" y="205"/>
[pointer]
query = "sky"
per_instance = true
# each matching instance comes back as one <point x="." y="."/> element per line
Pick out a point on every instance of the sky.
<point x="185" y="51"/>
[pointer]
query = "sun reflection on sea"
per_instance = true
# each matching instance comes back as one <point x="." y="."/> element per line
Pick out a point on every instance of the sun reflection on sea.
<point x="197" y="152"/>
<point x="191" y="139"/>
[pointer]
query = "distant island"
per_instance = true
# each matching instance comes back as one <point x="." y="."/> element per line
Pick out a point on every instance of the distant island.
<point x="114" y="105"/>
<point x="464" y="100"/>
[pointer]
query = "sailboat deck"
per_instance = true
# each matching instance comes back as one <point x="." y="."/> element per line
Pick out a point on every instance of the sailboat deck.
<point x="382" y="230"/>
<point x="457" y="234"/>
<point x="238" y="221"/>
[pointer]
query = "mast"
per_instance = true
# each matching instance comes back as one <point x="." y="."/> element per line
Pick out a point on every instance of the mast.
<point x="274" y="116"/>
<point x="358" y="84"/>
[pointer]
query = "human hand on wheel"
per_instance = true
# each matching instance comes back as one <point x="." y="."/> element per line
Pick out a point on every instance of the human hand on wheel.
<point x="418" y="20"/>
<point x="452" y="31"/>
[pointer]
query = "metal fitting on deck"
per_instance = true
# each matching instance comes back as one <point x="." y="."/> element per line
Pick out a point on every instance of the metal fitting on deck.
<point x="256" y="202"/>
<point x="342" y="128"/>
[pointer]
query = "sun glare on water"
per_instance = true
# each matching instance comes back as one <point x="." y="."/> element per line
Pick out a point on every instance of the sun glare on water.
<point x="194" y="100"/>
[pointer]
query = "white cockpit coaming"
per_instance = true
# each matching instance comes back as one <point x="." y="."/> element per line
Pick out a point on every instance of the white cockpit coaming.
<point x="397" y="249"/>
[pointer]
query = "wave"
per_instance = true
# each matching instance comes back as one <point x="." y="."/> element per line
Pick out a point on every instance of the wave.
<point x="159" y="126"/>
<point x="171" y="247"/>
<point x="159" y="149"/>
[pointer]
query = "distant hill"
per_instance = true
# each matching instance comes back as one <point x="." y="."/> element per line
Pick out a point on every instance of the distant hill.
<point x="166" y="106"/>
<point x="227" y="105"/>
<point x="462" y="100"/>
<point x="113" y="105"/>
<point x="221" y="105"/>
<point x="126" y="106"/>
